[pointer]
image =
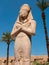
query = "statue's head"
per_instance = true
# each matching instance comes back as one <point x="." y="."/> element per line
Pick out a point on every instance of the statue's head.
<point x="24" y="12"/>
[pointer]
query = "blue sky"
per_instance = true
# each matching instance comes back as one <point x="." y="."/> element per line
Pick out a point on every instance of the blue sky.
<point x="9" y="10"/>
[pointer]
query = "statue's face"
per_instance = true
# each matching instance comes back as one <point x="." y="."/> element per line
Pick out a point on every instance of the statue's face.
<point x="23" y="15"/>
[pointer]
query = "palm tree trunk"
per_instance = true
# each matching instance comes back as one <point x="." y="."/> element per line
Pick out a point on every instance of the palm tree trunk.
<point x="7" y="54"/>
<point x="46" y="33"/>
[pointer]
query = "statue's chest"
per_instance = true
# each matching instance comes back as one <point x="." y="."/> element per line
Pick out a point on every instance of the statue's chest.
<point x="27" y="24"/>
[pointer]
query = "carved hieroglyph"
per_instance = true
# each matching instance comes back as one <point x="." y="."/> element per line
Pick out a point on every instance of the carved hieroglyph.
<point x="24" y="27"/>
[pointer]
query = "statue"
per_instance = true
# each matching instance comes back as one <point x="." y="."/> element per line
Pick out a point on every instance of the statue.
<point x="24" y="27"/>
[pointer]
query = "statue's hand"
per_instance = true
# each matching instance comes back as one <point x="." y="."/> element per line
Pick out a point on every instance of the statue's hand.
<point x="18" y="26"/>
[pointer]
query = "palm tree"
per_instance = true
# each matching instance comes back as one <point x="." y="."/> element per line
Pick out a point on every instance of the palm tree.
<point x="43" y="5"/>
<point x="6" y="37"/>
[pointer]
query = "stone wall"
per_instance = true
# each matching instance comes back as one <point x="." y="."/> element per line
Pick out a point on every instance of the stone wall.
<point x="40" y="59"/>
<point x="3" y="61"/>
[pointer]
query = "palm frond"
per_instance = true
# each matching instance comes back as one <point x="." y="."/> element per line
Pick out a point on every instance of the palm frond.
<point x="39" y="5"/>
<point x="42" y="4"/>
<point x="47" y="4"/>
<point x="6" y="37"/>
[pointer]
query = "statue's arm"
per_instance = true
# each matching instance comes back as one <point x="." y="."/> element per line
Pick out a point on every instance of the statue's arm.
<point x="16" y="30"/>
<point x="30" y="29"/>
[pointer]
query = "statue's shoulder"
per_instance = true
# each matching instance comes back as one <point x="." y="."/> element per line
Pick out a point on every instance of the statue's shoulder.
<point x="32" y="21"/>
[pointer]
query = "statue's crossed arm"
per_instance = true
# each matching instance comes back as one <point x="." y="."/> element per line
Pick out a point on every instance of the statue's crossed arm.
<point x="29" y="27"/>
<point x="15" y="30"/>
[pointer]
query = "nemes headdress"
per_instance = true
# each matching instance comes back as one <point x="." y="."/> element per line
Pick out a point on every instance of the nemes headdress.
<point x="26" y="7"/>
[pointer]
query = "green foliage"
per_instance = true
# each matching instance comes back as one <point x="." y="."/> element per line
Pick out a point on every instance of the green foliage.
<point x="42" y="4"/>
<point x="6" y="37"/>
<point x="47" y="63"/>
<point x="36" y="63"/>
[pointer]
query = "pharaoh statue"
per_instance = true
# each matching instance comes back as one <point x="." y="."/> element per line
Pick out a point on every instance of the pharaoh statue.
<point x="23" y="29"/>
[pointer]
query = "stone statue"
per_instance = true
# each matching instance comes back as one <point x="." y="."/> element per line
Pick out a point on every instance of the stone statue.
<point x="23" y="28"/>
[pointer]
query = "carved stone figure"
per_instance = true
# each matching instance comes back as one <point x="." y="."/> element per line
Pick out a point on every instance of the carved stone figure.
<point x="24" y="27"/>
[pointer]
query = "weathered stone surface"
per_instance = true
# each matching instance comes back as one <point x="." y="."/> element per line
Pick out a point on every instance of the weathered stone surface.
<point x="40" y="59"/>
<point x="23" y="29"/>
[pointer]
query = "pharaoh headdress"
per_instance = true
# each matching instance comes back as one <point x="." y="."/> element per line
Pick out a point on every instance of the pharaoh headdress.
<point x="26" y="7"/>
